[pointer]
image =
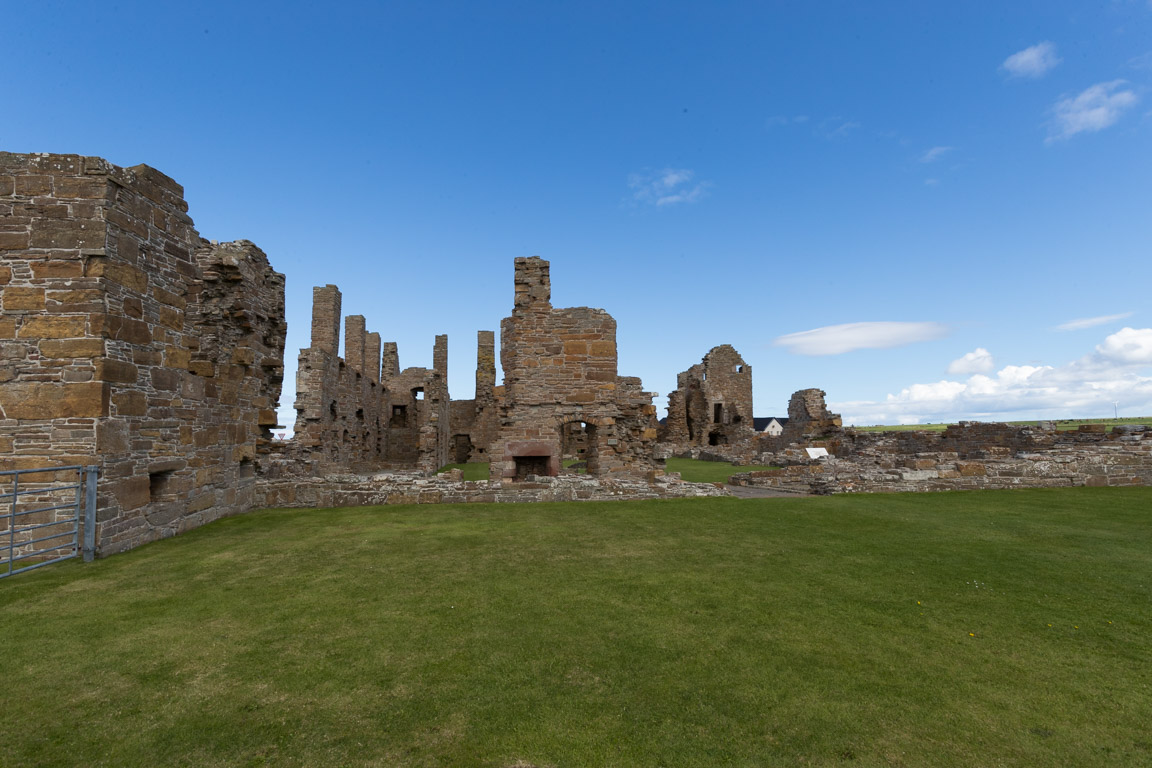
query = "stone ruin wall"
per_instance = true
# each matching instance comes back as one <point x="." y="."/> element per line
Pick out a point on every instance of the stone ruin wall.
<point x="130" y="343"/>
<point x="712" y="402"/>
<point x="560" y="368"/>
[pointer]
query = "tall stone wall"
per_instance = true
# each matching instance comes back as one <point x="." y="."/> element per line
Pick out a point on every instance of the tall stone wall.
<point x="712" y="402"/>
<point x="560" y="368"/>
<point x="131" y="343"/>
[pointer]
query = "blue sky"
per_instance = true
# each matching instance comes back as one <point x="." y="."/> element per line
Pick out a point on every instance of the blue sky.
<point x="932" y="211"/>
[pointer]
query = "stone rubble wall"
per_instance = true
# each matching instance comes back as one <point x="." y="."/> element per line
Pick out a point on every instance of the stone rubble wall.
<point x="1026" y="457"/>
<point x="129" y="342"/>
<point x="448" y="488"/>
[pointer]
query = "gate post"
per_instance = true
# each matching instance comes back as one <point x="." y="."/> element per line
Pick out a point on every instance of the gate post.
<point x="90" y="475"/>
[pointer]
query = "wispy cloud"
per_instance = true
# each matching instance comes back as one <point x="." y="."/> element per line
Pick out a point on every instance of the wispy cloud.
<point x="1032" y="62"/>
<point x="1092" y="322"/>
<point x="838" y="339"/>
<point x="836" y="128"/>
<point x="670" y="186"/>
<point x="1093" y="109"/>
<point x="976" y="361"/>
<point x="778" y="120"/>
<point x="934" y="154"/>
<point x="1117" y="370"/>
<point x="1143" y="61"/>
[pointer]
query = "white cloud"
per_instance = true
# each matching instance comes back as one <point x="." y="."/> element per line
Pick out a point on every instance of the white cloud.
<point x="1116" y="371"/>
<point x="667" y="187"/>
<point x="1093" y="109"/>
<point x="1128" y="346"/>
<point x="935" y="154"/>
<point x="1092" y="322"/>
<point x="977" y="361"/>
<point x="838" y="339"/>
<point x="1033" y="61"/>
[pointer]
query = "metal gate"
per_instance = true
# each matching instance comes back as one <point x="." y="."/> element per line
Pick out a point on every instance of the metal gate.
<point x="41" y="516"/>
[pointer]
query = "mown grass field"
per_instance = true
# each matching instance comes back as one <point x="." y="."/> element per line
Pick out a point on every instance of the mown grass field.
<point x="995" y="628"/>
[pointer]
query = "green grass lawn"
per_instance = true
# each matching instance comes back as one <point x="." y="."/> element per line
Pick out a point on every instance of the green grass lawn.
<point x="961" y="629"/>
<point x="696" y="471"/>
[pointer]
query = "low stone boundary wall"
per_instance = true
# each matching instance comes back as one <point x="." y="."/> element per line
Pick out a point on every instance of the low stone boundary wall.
<point x="1123" y="458"/>
<point x="415" y="488"/>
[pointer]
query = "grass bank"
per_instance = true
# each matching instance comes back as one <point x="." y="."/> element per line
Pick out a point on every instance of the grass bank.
<point x="1007" y="628"/>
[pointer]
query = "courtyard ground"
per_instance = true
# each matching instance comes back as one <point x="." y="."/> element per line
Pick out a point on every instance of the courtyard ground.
<point x="994" y="628"/>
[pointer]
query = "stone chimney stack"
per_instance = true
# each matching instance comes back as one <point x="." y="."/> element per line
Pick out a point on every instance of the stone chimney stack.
<point x="372" y="356"/>
<point x="354" y="342"/>
<point x="532" y="284"/>
<point x="326" y="318"/>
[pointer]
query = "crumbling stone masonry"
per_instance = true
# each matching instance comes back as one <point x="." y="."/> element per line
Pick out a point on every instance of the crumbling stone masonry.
<point x="712" y="402"/>
<point x="129" y="342"/>
<point x="560" y="369"/>
<point x="359" y="413"/>
<point x="338" y="400"/>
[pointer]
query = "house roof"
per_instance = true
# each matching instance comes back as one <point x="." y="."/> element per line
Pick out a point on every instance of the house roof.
<point x="760" y="422"/>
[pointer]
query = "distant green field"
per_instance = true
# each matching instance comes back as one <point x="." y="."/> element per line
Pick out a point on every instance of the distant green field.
<point x="1007" y="628"/>
<point x="1061" y="424"/>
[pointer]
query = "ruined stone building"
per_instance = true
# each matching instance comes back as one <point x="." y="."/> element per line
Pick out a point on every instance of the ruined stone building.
<point x="360" y="412"/>
<point x="560" y="371"/>
<point x="131" y="343"/>
<point x="712" y="402"/>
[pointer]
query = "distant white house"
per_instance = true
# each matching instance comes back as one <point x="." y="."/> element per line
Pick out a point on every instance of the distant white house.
<point x="769" y="425"/>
